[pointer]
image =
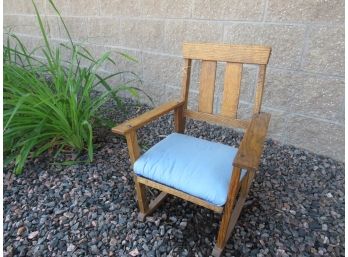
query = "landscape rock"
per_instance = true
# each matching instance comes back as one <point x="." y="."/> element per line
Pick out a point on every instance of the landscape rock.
<point x="295" y="206"/>
<point x="21" y="231"/>
<point x="33" y="235"/>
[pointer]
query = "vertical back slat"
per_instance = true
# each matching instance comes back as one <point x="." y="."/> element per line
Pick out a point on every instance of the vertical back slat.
<point x="186" y="80"/>
<point x="259" y="88"/>
<point x="207" y="86"/>
<point x="230" y="98"/>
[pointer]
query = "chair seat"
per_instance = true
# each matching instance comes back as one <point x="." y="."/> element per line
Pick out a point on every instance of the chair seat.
<point x="195" y="166"/>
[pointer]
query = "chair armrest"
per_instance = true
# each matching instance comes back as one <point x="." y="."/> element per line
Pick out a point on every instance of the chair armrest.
<point x="250" y="149"/>
<point x="146" y="117"/>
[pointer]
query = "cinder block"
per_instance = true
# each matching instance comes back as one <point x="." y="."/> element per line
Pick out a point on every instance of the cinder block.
<point x="74" y="8"/>
<point x="23" y="6"/>
<point x="54" y="27"/>
<point x="172" y="93"/>
<point x="113" y="82"/>
<point x="280" y="88"/>
<point x="30" y="44"/>
<point x="167" y="9"/>
<point x="319" y="96"/>
<point x="248" y="10"/>
<point x="77" y="27"/>
<point x="125" y="60"/>
<point x="27" y="25"/>
<point x="325" y="50"/>
<point x="316" y="135"/>
<point x="104" y="31"/>
<point x="142" y="34"/>
<point x="276" y="129"/>
<point x="287" y="41"/>
<point x="130" y="8"/>
<point x="305" y="11"/>
<point x="157" y="94"/>
<point x="305" y="94"/>
<point x="193" y="100"/>
<point x="179" y="31"/>
<point x="95" y="52"/>
<point x="162" y="70"/>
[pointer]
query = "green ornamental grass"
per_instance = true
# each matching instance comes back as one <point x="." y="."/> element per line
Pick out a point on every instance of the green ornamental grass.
<point x="49" y="102"/>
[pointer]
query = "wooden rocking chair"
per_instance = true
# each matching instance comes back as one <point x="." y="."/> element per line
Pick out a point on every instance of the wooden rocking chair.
<point x="209" y="174"/>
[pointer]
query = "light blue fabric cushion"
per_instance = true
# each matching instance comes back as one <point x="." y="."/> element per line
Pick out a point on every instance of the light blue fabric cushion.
<point x="198" y="167"/>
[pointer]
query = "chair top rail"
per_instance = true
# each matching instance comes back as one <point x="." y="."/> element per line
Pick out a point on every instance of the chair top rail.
<point x="249" y="54"/>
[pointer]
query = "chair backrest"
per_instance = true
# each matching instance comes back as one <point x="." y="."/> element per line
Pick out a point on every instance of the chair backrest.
<point x="234" y="56"/>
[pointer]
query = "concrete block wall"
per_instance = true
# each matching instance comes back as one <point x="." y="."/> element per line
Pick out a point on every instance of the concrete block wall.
<point x="305" y="77"/>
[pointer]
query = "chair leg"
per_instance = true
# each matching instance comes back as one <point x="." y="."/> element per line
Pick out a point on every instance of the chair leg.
<point x="142" y="200"/>
<point x="243" y="194"/>
<point x="231" y="213"/>
<point x="145" y="207"/>
<point x="226" y="216"/>
<point x="155" y="203"/>
<point x="216" y="251"/>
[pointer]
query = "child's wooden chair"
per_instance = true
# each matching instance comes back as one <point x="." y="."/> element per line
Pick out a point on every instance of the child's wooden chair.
<point x="212" y="175"/>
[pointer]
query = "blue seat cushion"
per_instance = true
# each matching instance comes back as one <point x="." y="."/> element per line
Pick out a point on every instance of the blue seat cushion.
<point x="195" y="166"/>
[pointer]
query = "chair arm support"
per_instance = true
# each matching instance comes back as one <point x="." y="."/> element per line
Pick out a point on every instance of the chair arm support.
<point x="143" y="119"/>
<point x="250" y="149"/>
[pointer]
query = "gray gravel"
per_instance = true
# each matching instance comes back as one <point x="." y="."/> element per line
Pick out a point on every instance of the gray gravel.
<point x="295" y="207"/>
